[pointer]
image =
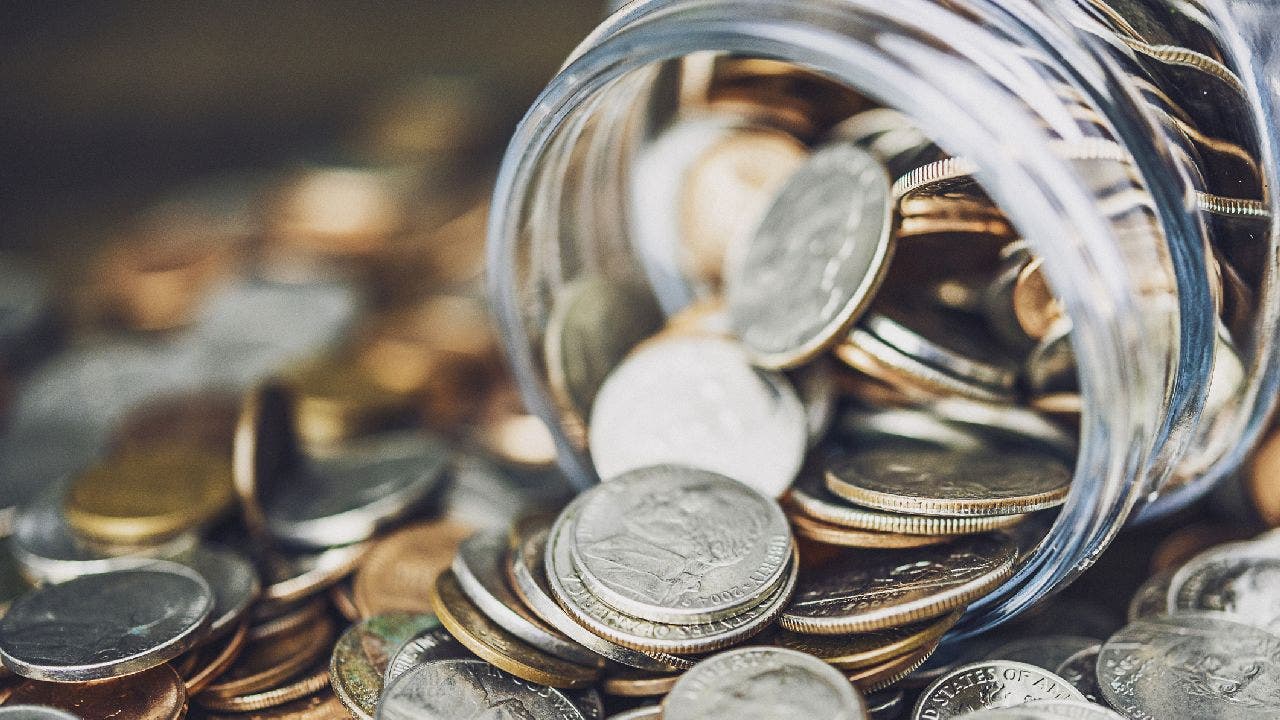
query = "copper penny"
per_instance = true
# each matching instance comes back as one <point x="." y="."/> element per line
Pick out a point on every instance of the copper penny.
<point x="320" y="706"/>
<point x="213" y="662"/>
<point x="155" y="694"/>
<point x="265" y="663"/>
<point x="401" y="568"/>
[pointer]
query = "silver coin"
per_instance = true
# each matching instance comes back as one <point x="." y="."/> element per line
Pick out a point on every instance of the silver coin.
<point x="578" y="601"/>
<point x="106" y="625"/>
<point x="1045" y="651"/>
<point x="478" y="566"/>
<point x="450" y="689"/>
<point x="528" y="571"/>
<point x="348" y="496"/>
<point x="990" y="684"/>
<point x="698" y="402"/>
<point x="428" y="646"/>
<point x="234" y="582"/>
<point x="34" y="712"/>
<point x="935" y="381"/>
<point x="1081" y="670"/>
<point x="763" y="682"/>
<point x="1073" y="710"/>
<point x="815" y="260"/>
<point x="679" y="545"/>
<point x="646" y="712"/>
<point x="1152" y="597"/>
<point x="1191" y="665"/>
<point x="1241" y="583"/>
<point x="943" y="345"/>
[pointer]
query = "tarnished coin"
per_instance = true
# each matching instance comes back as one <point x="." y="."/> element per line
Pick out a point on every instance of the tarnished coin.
<point x="449" y="689"/>
<point x="698" y="402"/>
<point x="1081" y="670"/>
<point x="34" y="712"/>
<point x="990" y="685"/>
<point x="811" y="495"/>
<point x="678" y="545"/>
<point x="402" y="566"/>
<point x="347" y="496"/>
<point x="490" y="642"/>
<point x="234" y="582"/>
<point x="155" y="694"/>
<point x="796" y="285"/>
<point x="106" y="625"/>
<point x="1046" y="651"/>
<point x="851" y="652"/>
<point x="479" y="568"/>
<point x="425" y="647"/>
<point x="1191" y="665"/>
<point x="763" y="682"/>
<point x="830" y="534"/>
<point x="529" y="580"/>
<point x="949" y="483"/>
<point x="1241" y="582"/>
<point x="361" y="656"/>
<point x="869" y="590"/>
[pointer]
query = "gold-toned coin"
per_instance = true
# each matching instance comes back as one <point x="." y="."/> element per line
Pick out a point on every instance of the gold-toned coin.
<point x="155" y="694"/>
<point x="490" y="642"/>
<point x="1262" y="479"/>
<point x="879" y="677"/>
<point x="320" y="706"/>
<point x="149" y="495"/>
<point x="1034" y="304"/>
<point x="402" y="567"/>
<point x="831" y="534"/>
<point x="950" y="216"/>
<point x="637" y="683"/>
<point x="336" y="399"/>
<point x="865" y="650"/>
<point x="267" y="662"/>
<point x="211" y="662"/>
<point x="309" y="684"/>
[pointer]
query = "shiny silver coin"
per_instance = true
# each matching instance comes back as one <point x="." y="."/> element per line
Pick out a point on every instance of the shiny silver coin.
<point x="941" y="344"/>
<point x="647" y="712"/>
<point x="763" y="682"/>
<point x="698" y="402"/>
<point x="1191" y="665"/>
<point x="1045" y="651"/>
<point x="988" y="685"/>
<point x="1152" y="597"/>
<point x="479" y="568"/>
<point x="1081" y="670"/>
<point x="234" y="582"/>
<point x="1241" y="582"/>
<point x="34" y="712"/>
<point x="528" y="572"/>
<point x="427" y="646"/>
<point x="106" y="625"/>
<point x="449" y="689"/>
<point x="348" y="496"/>
<point x="1072" y="710"/>
<point x="588" y="610"/>
<point x="679" y="545"/>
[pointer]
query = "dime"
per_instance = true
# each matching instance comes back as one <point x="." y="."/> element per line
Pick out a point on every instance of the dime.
<point x="762" y="682"/>
<point x="881" y="676"/>
<point x="425" y="647"/>
<point x="1046" y="651"/>
<point x="105" y="625"/>
<point x="1081" y="670"/>
<point x="811" y="495"/>
<point x="34" y="712"/>
<point x="869" y="590"/>
<point x="479" y="569"/>
<point x="829" y="534"/>
<point x="852" y="652"/>
<point x="1191" y="665"/>
<point x="949" y="483"/>
<point x="449" y="689"/>
<point x="529" y="580"/>
<point x="309" y="684"/>
<point x="577" y="600"/>
<point x="1241" y="582"/>
<point x="815" y="260"/>
<point x="361" y="656"/>
<point x="698" y="402"/>
<point x="270" y="660"/>
<point x="678" y="545"/>
<point x="990" y="685"/>
<point x="402" y="566"/>
<point x="211" y="662"/>
<point x="234" y="582"/>
<point x="489" y="641"/>
<point x="624" y="683"/>
<point x="155" y="694"/>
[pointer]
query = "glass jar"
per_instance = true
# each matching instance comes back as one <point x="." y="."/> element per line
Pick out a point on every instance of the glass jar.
<point x="1169" y="400"/>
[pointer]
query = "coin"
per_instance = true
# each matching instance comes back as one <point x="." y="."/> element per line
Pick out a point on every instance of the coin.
<point x="346" y="497"/>
<point x="869" y="590"/>
<point x="295" y="576"/>
<point x="885" y="704"/>
<point x="426" y="647"/>
<point x="301" y="687"/>
<point x="811" y="495"/>
<point x="646" y="712"/>
<point x="271" y="660"/>
<point x="342" y="595"/>
<point x="808" y="271"/>
<point x="1034" y="304"/>
<point x="403" y="565"/>
<point x="336" y="399"/>
<point x="479" y="568"/>
<point x="12" y="584"/>
<point x="762" y="682"/>
<point x="155" y="694"/>
<point x="212" y="661"/>
<point x="362" y="653"/>
<point x="1073" y="710"/>
<point x="1191" y="665"/>
<point x="530" y="581"/>
<point x="855" y="651"/>
<point x="830" y="534"/>
<point x="642" y="634"/>
<point x="678" y="545"/>
<point x="1262" y="479"/>
<point x="321" y="706"/>
<point x="949" y="344"/>
<point x="889" y="672"/>
<point x="449" y="689"/>
<point x="990" y="685"/>
<point x="34" y="712"/>
<point x="1240" y="582"/>
<point x="698" y="402"/>
<point x="906" y="376"/>
<point x="625" y="683"/>
<point x="234" y="582"/>
<point x="1081" y="670"/>
<point x="1046" y="651"/>
<point x="949" y="483"/>
<point x="489" y="641"/>
<point x="105" y="625"/>
<point x="265" y="449"/>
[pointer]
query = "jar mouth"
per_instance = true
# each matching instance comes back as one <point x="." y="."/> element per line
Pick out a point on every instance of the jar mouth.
<point x="1137" y="386"/>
